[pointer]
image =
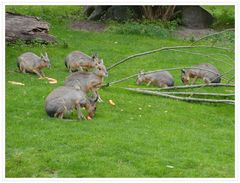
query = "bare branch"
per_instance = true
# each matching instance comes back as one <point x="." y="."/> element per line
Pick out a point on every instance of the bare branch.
<point x="204" y="55"/>
<point x="190" y="86"/>
<point x="231" y="79"/>
<point x="227" y="56"/>
<point x="189" y="99"/>
<point x="214" y="34"/>
<point x="158" y="50"/>
<point x="201" y="94"/>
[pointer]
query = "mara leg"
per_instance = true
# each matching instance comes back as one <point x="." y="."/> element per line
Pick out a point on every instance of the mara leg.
<point x="61" y="115"/>
<point x="69" y="68"/>
<point x="60" y="112"/>
<point x="95" y="93"/>
<point x="22" y="69"/>
<point x="37" y="72"/>
<point x="79" y="113"/>
<point x="206" y="80"/>
<point x="164" y="85"/>
<point x="194" y="80"/>
<point x="42" y="73"/>
<point x="149" y="82"/>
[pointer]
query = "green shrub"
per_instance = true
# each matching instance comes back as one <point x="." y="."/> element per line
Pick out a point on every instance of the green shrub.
<point x="146" y="28"/>
<point x="224" y="16"/>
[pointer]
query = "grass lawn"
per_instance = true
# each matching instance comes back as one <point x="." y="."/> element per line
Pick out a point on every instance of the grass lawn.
<point x="142" y="136"/>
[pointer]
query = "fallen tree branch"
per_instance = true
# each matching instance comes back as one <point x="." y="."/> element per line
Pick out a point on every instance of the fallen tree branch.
<point x="158" y="50"/>
<point x="214" y="34"/>
<point x="227" y="56"/>
<point x="231" y="79"/>
<point x="201" y="94"/>
<point x="190" y="86"/>
<point x="203" y="55"/>
<point x="189" y="99"/>
<point x="149" y="72"/>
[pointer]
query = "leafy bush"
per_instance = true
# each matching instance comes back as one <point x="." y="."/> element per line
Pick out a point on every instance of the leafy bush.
<point x="224" y="16"/>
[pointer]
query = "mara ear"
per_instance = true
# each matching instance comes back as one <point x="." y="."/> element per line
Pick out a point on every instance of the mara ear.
<point x="141" y="72"/>
<point x="94" y="56"/>
<point x="183" y="71"/>
<point x="42" y="56"/>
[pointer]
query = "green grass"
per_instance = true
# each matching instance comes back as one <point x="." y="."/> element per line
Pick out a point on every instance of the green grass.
<point x="139" y="137"/>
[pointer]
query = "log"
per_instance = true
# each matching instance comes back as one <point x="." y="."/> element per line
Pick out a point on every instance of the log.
<point x="26" y="28"/>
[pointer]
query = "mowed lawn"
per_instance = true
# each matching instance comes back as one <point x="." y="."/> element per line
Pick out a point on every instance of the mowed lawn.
<point x="141" y="136"/>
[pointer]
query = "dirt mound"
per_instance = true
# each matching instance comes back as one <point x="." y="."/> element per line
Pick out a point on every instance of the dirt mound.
<point x="89" y="26"/>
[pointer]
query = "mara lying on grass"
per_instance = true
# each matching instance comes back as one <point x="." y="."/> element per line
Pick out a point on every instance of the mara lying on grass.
<point x="30" y="62"/>
<point x="160" y="79"/>
<point x="64" y="99"/>
<point x="207" y="72"/>
<point x="78" y="61"/>
<point x="88" y="81"/>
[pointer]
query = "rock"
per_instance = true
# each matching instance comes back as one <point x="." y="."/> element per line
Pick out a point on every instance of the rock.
<point x="195" y="17"/>
<point x="26" y="28"/>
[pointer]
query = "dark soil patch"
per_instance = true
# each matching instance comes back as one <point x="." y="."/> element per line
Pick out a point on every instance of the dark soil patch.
<point x="89" y="26"/>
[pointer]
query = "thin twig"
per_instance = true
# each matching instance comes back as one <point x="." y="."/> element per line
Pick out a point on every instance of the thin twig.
<point x="230" y="79"/>
<point x="214" y="34"/>
<point x="189" y="99"/>
<point x="190" y="86"/>
<point x="158" y="50"/>
<point x="227" y="56"/>
<point x="200" y="54"/>
<point x="201" y="94"/>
